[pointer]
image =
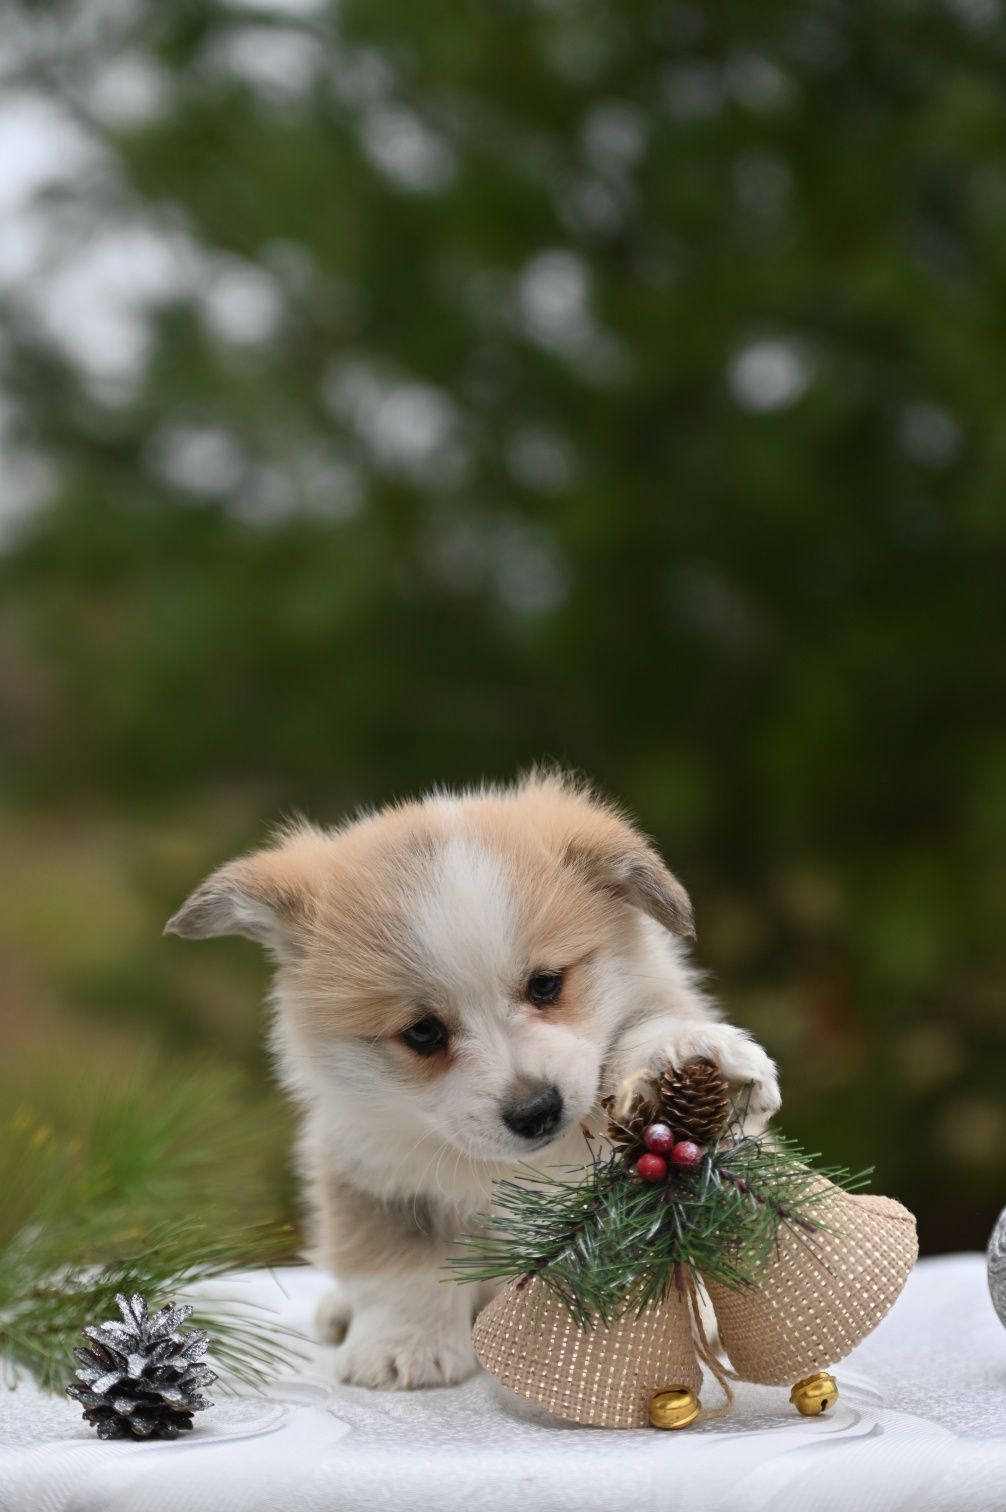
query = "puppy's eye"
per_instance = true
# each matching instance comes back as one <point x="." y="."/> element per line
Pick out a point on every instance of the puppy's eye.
<point x="543" y="988"/>
<point x="427" y="1036"/>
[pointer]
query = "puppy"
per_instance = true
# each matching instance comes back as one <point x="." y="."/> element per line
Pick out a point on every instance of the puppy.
<point x="458" y="982"/>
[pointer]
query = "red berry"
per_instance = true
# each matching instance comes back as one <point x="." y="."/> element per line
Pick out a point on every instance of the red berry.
<point x="658" y="1138"/>
<point x="651" y="1167"/>
<point x="686" y="1154"/>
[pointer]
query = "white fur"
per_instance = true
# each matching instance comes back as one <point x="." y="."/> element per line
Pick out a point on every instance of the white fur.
<point x="419" y="1337"/>
<point x="464" y="922"/>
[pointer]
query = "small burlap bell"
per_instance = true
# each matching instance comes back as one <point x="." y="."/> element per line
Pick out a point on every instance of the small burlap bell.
<point x="603" y="1375"/>
<point x="821" y="1294"/>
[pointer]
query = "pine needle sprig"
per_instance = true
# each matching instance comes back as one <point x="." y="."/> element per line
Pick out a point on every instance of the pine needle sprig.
<point x="100" y="1183"/>
<point x="41" y="1321"/>
<point x="606" y="1243"/>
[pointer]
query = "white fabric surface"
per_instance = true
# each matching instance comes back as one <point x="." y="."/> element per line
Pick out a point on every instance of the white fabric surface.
<point x="920" y="1426"/>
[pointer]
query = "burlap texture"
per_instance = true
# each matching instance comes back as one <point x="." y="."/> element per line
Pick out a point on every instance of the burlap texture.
<point x="822" y="1292"/>
<point x="605" y="1376"/>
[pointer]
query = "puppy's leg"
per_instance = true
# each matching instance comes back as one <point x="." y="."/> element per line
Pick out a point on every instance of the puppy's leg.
<point x="333" y="1317"/>
<point x="415" y="1331"/>
<point x="400" y="1320"/>
<point x="664" y="1040"/>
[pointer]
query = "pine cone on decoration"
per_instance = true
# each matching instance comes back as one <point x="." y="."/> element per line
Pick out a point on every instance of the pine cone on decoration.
<point x="626" y="1132"/>
<point x="141" y="1378"/>
<point x="695" y="1100"/>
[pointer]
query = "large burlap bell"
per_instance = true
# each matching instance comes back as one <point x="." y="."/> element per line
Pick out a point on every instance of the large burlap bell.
<point x="822" y="1292"/>
<point x="603" y="1375"/>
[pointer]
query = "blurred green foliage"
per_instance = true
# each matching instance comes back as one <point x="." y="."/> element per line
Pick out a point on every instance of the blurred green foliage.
<point x="463" y="383"/>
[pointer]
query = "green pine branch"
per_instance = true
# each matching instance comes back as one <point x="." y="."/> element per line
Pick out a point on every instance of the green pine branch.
<point x="148" y="1185"/>
<point x="606" y="1243"/>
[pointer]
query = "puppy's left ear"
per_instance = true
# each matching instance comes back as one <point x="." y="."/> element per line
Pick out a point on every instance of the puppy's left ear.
<point x="263" y="897"/>
<point x="619" y="860"/>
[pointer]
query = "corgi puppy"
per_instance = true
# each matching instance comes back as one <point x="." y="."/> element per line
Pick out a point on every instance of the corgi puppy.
<point x="459" y="981"/>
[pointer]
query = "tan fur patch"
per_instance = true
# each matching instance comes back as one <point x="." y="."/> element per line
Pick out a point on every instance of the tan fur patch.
<point x="359" y="971"/>
<point x="349" y="962"/>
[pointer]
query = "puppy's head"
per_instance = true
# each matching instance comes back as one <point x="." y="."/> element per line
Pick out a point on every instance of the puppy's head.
<point x="460" y="965"/>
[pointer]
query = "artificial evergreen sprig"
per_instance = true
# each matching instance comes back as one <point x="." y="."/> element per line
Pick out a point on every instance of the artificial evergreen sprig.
<point x="606" y="1243"/>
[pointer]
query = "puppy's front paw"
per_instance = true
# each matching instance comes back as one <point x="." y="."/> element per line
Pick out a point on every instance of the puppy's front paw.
<point x="740" y="1058"/>
<point x="380" y="1352"/>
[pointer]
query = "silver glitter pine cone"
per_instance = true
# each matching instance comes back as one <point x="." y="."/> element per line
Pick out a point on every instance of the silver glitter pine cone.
<point x="997" y="1267"/>
<point x="141" y="1378"/>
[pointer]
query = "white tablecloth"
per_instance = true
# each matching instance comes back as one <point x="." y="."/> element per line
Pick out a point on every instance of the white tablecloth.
<point x="920" y="1426"/>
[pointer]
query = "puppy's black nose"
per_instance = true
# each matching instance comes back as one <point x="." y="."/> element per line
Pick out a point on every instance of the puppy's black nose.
<point x="535" y="1114"/>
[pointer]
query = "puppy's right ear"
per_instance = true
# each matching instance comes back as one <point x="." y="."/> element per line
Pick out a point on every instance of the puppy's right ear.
<point x="263" y="897"/>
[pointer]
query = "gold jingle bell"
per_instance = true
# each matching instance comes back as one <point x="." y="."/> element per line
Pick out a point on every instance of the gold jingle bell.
<point x="673" y="1407"/>
<point x="815" y="1394"/>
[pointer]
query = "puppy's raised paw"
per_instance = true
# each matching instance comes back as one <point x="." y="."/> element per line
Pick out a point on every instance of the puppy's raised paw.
<point x="379" y="1354"/>
<point x="739" y="1057"/>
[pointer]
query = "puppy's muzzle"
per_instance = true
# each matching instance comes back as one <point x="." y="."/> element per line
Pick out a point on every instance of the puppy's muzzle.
<point x="534" y="1114"/>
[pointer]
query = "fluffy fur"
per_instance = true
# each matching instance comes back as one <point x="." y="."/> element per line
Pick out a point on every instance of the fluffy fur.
<point x="448" y="907"/>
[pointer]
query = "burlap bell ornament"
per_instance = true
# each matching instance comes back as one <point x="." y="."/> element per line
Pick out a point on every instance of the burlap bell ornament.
<point x="826" y="1283"/>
